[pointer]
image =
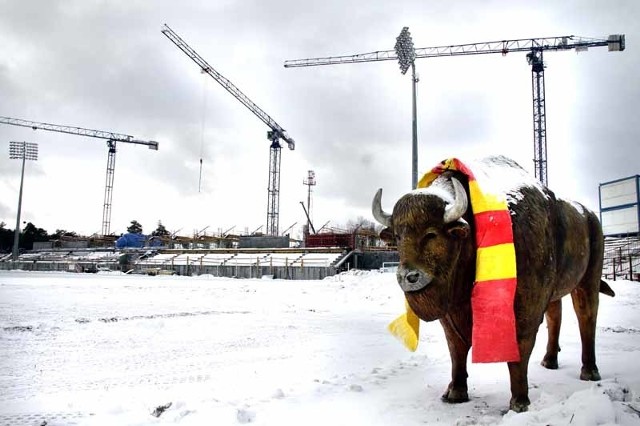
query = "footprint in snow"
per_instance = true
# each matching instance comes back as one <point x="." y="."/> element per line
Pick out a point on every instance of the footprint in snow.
<point x="244" y="415"/>
<point x="355" y="388"/>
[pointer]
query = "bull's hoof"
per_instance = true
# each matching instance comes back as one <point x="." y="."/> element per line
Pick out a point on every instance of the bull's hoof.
<point x="455" y="396"/>
<point x="550" y="362"/>
<point x="519" y="405"/>
<point x="590" y="374"/>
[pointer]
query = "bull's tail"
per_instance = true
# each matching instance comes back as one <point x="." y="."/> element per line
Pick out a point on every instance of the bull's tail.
<point x="605" y="289"/>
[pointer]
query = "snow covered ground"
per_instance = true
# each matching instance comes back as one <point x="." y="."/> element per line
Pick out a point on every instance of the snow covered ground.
<point x="109" y="349"/>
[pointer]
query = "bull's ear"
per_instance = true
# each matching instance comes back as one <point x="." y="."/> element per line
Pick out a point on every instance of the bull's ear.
<point x="459" y="229"/>
<point x="387" y="236"/>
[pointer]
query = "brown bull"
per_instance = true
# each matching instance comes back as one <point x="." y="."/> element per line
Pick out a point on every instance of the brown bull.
<point x="559" y="250"/>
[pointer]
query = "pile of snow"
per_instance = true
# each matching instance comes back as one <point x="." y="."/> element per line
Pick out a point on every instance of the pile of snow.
<point x="113" y="349"/>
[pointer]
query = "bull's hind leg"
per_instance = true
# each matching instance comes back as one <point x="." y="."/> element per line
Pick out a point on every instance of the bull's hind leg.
<point x="585" y="303"/>
<point x="554" y="320"/>
<point x="585" y="299"/>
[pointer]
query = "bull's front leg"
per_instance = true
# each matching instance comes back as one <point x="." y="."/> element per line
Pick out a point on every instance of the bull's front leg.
<point x="518" y="375"/>
<point x="458" y="336"/>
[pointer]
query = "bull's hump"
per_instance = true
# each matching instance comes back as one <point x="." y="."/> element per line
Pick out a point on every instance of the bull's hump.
<point x="500" y="175"/>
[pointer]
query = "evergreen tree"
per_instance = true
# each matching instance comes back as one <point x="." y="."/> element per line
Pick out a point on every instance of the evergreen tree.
<point x="160" y="231"/>
<point x="62" y="233"/>
<point x="6" y="238"/>
<point x="135" y="227"/>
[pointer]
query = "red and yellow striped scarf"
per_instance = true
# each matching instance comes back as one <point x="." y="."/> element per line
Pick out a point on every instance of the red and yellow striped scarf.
<point x="492" y="297"/>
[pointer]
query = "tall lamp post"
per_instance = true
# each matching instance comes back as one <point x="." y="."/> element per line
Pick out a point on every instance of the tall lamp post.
<point x="21" y="151"/>
<point x="406" y="58"/>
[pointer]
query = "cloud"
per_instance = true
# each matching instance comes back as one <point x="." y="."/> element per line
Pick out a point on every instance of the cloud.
<point x="106" y="66"/>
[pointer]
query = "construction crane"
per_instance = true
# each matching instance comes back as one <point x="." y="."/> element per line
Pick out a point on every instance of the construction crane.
<point x="306" y="213"/>
<point x="534" y="46"/>
<point x="111" y="138"/>
<point x="274" y="135"/>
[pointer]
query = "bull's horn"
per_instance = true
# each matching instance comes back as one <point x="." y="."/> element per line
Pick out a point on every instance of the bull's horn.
<point x="455" y="211"/>
<point x="379" y="214"/>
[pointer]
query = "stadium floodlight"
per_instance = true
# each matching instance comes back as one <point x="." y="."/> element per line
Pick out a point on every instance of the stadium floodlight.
<point x="404" y="49"/>
<point x="406" y="58"/>
<point x="21" y="151"/>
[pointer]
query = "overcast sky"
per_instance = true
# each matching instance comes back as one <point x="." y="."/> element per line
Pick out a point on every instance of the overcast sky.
<point x="105" y="65"/>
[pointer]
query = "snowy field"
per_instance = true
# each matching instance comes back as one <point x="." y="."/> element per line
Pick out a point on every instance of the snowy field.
<point x="109" y="349"/>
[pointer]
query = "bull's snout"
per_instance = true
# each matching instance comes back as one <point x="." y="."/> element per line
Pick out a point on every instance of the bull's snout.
<point x="411" y="279"/>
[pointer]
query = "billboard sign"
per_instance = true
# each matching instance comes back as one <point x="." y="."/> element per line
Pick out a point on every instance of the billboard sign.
<point x="620" y="206"/>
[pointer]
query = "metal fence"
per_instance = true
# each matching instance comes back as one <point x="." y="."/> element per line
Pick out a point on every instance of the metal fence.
<point x="622" y="259"/>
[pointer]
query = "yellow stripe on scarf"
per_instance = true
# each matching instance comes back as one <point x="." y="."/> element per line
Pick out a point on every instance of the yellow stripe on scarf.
<point x="496" y="262"/>
<point x="406" y="328"/>
<point x="483" y="201"/>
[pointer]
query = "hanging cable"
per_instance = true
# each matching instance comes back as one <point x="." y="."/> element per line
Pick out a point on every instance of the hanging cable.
<point x="204" y="115"/>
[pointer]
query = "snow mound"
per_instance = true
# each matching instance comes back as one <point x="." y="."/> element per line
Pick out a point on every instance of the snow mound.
<point x="606" y="403"/>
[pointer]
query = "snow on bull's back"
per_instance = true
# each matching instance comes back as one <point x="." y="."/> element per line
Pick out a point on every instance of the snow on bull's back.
<point x="500" y="175"/>
<point x="496" y="175"/>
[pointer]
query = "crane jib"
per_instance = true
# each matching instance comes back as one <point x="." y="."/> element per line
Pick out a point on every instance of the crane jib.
<point x="227" y="84"/>
<point x="533" y="46"/>
<point x="615" y="42"/>
<point x="78" y="131"/>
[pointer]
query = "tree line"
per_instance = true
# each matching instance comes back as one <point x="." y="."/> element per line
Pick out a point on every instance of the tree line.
<point x="32" y="234"/>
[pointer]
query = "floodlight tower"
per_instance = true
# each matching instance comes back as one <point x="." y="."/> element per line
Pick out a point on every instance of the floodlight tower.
<point x="406" y="58"/>
<point x="21" y="151"/>
<point x="309" y="181"/>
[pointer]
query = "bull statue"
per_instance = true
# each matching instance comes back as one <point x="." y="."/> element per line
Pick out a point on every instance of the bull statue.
<point x="558" y="251"/>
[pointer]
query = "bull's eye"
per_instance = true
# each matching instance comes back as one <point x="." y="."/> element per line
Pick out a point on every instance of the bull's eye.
<point x="428" y="236"/>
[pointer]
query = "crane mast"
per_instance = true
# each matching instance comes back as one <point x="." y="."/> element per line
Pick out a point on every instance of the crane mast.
<point x="534" y="47"/>
<point x="111" y="139"/>
<point x="274" y="135"/>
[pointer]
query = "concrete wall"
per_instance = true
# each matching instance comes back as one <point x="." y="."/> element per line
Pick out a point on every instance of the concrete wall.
<point x="373" y="259"/>
<point x="42" y="245"/>
<point x="58" y="266"/>
<point x="263" y="241"/>
<point x="232" y="271"/>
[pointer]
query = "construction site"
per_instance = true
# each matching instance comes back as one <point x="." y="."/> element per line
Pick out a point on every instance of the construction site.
<point x="323" y="252"/>
<point x="274" y="253"/>
<point x="321" y="255"/>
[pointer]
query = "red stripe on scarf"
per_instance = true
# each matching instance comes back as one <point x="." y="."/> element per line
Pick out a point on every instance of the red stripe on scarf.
<point x="491" y="229"/>
<point x="492" y="303"/>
